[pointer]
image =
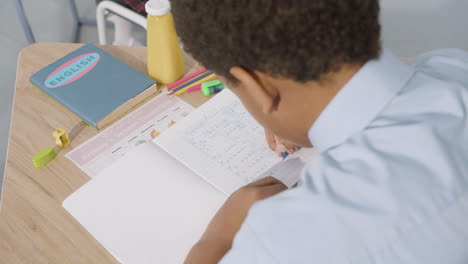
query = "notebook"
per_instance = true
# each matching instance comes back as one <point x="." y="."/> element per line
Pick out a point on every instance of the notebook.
<point x="154" y="203"/>
<point x="222" y="142"/>
<point x="93" y="85"/>
<point x="145" y="208"/>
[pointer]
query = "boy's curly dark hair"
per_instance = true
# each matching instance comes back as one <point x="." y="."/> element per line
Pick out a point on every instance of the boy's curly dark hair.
<point x="295" y="39"/>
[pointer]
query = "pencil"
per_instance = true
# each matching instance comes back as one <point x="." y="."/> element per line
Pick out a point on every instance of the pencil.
<point x="209" y="77"/>
<point x="197" y="87"/>
<point x="186" y="78"/>
<point x="191" y="82"/>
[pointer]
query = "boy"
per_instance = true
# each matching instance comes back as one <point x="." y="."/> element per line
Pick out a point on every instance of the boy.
<point x="390" y="185"/>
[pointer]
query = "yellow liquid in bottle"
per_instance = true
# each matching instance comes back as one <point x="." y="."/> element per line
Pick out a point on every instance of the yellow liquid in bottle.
<point x="165" y="61"/>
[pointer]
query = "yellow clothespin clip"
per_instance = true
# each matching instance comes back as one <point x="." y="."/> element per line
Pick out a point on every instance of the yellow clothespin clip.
<point x="47" y="155"/>
<point x="61" y="138"/>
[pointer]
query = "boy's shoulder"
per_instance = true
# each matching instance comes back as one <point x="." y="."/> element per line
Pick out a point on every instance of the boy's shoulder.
<point x="438" y="91"/>
<point x="444" y="63"/>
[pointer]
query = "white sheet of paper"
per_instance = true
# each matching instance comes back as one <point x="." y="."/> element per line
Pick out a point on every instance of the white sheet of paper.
<point x="146" y="207"/>
<point x="290" y="170"/>
<point x="223" y="143"/>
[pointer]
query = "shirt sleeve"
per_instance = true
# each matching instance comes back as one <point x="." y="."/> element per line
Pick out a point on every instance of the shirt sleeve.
<point x="247" y="249"/>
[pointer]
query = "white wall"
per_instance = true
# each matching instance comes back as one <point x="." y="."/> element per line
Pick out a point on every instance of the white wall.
<point x="411" y="27"/>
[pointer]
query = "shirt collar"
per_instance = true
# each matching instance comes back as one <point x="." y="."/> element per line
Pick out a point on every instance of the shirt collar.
<point x="360" y="101"/>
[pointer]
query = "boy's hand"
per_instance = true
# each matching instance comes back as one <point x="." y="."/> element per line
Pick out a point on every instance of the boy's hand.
<point x="218" y="237"/>
<point x="279" y="145"/>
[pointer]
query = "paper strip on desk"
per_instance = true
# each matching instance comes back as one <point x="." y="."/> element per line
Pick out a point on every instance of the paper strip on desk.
<point x="138" y="127"/>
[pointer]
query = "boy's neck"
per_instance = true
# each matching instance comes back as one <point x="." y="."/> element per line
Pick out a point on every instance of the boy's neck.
<point x="337" y="80"/>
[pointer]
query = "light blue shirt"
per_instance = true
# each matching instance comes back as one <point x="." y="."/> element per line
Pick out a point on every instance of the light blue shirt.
<point x="391" y="183"/>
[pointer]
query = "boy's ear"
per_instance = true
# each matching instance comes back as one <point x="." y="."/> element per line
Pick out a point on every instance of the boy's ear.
<point x="254" y="87"/>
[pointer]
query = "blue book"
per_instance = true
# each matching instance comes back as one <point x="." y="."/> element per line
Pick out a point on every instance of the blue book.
<point x="94" y="85"/>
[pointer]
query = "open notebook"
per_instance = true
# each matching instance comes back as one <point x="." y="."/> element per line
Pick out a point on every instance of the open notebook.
<point x="152" y="205"/>
<point x="222" y="143"/>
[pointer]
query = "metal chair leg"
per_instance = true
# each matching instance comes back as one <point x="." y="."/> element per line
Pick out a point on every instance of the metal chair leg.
<point x="24" y="21"/>
<point x="77" y="21"/>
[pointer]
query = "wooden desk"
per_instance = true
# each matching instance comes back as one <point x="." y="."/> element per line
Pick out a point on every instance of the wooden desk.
<point x="34" y="228"/>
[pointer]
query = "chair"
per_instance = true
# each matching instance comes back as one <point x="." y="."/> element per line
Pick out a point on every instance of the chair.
<point x="120" y="14"/>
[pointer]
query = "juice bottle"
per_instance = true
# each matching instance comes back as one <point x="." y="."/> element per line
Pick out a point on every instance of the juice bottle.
<point x="165" y="61"/>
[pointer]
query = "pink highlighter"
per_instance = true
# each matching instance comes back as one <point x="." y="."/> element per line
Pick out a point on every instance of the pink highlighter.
<point x="186" y="78"/>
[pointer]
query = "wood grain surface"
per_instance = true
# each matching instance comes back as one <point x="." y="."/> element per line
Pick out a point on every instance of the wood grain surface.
<point x="34" y="228"/>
